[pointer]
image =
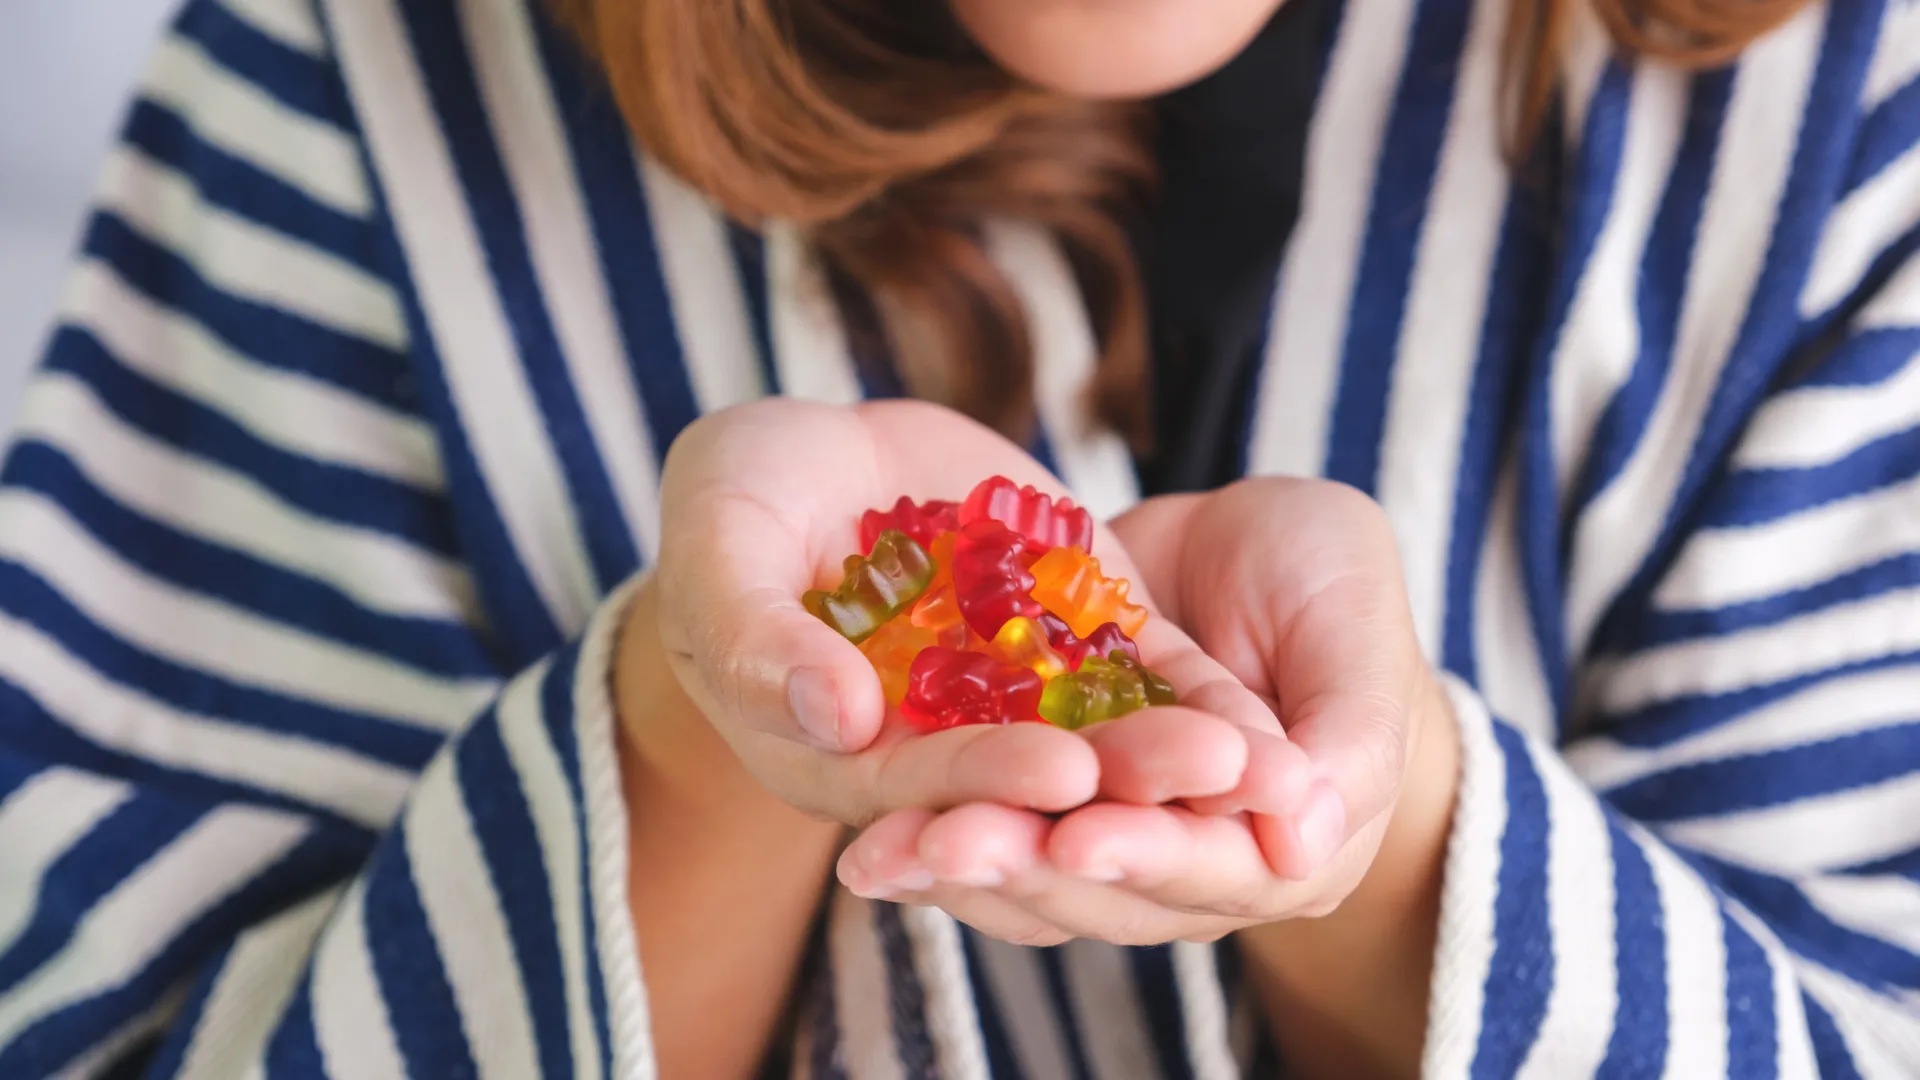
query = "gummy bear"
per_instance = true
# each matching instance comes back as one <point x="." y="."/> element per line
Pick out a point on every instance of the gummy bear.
<point x="990" y="578"/>
<point x="892" y="650"/>
<point x="948" y="687"/>
<point x="1159" y="690"/>
<point x="922" y="521"/>
<point x="875" y="588"/>
<point x="938" y="609"/>
<point x="1022" y="641"/>
<point x="1104" y="641"/>
<point x="1101" y="690"/>
<point x="1067" y="582"/>
<point x="1031" y="513"/>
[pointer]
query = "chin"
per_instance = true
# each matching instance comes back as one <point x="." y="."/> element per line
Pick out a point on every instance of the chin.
<point x="1113" y="48"/>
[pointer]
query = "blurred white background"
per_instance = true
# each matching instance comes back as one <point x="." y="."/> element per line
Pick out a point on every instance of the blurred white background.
<point x="67" y="68"/>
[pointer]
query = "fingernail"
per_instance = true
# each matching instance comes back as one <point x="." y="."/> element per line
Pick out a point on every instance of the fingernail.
<point x="860" y="884"/>
<point x="913" y="881"/>
<point x="1321" y="825"/>
<point x="815" y="705"/>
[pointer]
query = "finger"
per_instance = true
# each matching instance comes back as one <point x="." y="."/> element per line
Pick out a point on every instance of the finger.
<point x="1276" y="780"/>
<point x="1036" y="766"/>
<point x="1163" y="754"/>
<point x="1172" y="858"/>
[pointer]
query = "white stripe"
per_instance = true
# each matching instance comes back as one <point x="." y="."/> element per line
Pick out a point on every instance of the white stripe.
<point x="249" y="260"/>
<point x="129" y="926"/>
<point x="207" y="634"/>
<point x="1303" y="358"/>
<point x="1883" y="625"/>
<point x="470" y="931"/>
<point x="350" y="1021"/>
<point x="1794" y="1057"/>
<point x="295" y="412"/>
<point x="1812" y="835"/>
<point x="39" y="821"/>
<point x="235" y="115"/>
<point x="1896" y="55"/>
<point x="1882" y="1036"/>
<point x="197" y="497"/>
<point x="809" y="342"/>
<point x="1585" y="1000"/>
<point x="485" y="379"/>
<point x="1463" y="954"/>
<point x="106" y="1052"/>
<point x="1696" y="982"/>
<point x="1895" y="303"/>
<point x="561" y="243"/>
<point x="249" y="997"/>
<point x="1106" y="1000"/>
<point x="1018" y="988"/>
<point x="1825" y="710"/>
<point x="953" y="1019"/>
<point x="1503" y="641"/>
<point x="122" y="719"/>
<point x="1094" y="461"/>
<point x="1723" y="567"/>
<point x="1600" y="339"/>
<point x="293" y="23"/>
<point x="1884" y="906"/>
<point x="703" y="284"/>
<point x="1818" y="425"/>
<point x="861" y="989"/>
<point x="1437" y="354"/>
<point x="1730" y="250"/>
<point x="1859" y="229"/>
<point x="1203" y="1011"/>
<point x="550" y="801"/>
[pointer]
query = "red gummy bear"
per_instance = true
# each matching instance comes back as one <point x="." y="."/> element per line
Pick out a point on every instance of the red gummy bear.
<point x="922" y="521"/>
<point x="1032" y="513"/>
<point x="1105" y="640"/>
<point x="949" y="687"/>
<point x="990" y="578"/>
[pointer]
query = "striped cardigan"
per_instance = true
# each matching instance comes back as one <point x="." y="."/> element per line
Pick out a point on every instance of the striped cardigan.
<point x="316" y="520"/>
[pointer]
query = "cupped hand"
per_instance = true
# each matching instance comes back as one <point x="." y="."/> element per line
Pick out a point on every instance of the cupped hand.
<point x="1295" y="587"/>
<point x="761" y="503"/>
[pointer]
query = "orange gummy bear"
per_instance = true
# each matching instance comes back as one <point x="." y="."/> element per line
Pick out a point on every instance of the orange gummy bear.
<point x="892" y="649"/>
<point x="1068" y="583"/>
<point x="1022" y="642"/>
<point x="938" y="609"/>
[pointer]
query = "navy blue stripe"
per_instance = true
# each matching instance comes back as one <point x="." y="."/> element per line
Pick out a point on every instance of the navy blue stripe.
<point x="1638" y="1046"/>
<point x="293" y="1048"/>
<point x="1886" y="134"/>
<point x="1003" y="1063"/>
<point x="750" y="262"/>
<point x="1760" y="496"/>
<point x="1906" y="865"/>
<point x="185" y="1025"/>
<point x="32" y="734"/>
<point x="237" y="186"/>
<point x="406" y="961"/>
<point x="1866" y="358"/>
<point x="341" y="493"/>
<point x="298" y="80"/>
<point x="1808" y="931"/>
<point x="1537" y="516"/>
<point x="1773" y="777"/>
<point x="604" y="159"/>
<point x="1523" y="962"/>
<point x="1830" y="1050"/>
<point x="1753" y="1047"/>
<point x="1053" y="972"/>
<point x="25" y="596"/>
<point x="906" y="998"/>
<point x="826" y="1059"/>
<point x="438" y="37"/>
<point x="436" y="647"/>
<point x="1772" y="326"/>
<point x="1154" y="980"/>
<point x="16" y="769"/>
<point x="1403" y="186"/>
<point x="267" y="336"/>
<point x="1041" y="449"/>
<point x="491" y="789"/>
<point x="69" y="1032"/>
<point x="1667" y="627"/>
<point x="1669" y="721"/>
<point x="557" y="715"/>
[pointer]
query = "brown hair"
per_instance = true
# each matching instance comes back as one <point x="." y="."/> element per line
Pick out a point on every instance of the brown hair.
<point x="879" y="128"/>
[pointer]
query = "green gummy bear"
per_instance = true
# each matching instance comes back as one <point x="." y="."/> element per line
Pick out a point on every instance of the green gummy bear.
<point x="875" y="588"/>
<point x="1102" y="690"/>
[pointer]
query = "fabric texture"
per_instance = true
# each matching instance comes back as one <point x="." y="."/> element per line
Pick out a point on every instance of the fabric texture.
<point x="317" y="520"/>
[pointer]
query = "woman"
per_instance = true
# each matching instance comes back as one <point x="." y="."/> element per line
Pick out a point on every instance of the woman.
<point x="333" y="743"/>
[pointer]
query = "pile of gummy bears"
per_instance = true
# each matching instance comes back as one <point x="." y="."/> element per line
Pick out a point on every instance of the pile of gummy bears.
<point x="991" y="611"/>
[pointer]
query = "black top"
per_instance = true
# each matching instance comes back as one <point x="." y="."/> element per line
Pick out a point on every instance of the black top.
<point x="1231" y="150"/>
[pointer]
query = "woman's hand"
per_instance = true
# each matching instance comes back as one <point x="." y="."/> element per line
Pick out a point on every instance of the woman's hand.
<point x="1295" y="586"/>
